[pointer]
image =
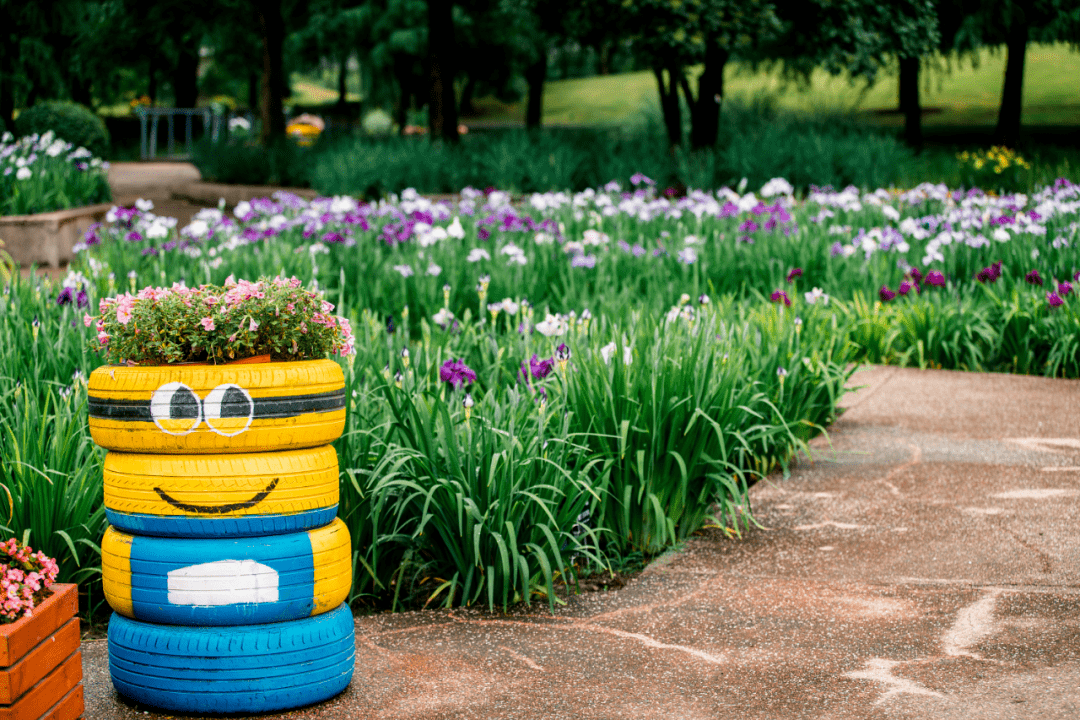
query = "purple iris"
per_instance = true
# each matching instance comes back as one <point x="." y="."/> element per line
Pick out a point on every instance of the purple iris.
<point x="935" y="279"/>
<point x="66" y="297"/>
<point x="1054" y="300"/>
<point x="779" y="296"/>
<point x="457" y="373"/>
<point x="906" y="286"/>
<point x="886" y="294"/>
<point x="1064" y="288"/>
<point x="82" y="299"/>
<point x="540" y="368"/>
<point x="916" y="276"/>
<point x="1033" y="278"/>
<point x="793" y="273"/>
<point x="989" y="274"/>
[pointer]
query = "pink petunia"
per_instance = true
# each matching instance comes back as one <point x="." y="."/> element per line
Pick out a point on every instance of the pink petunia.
<point x="87" y="320"/>
<point x="252" y="325"/>
<point x="207" y="323"/>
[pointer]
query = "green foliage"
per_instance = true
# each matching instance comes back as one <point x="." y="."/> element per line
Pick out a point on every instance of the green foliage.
<point x="220" y="323"/>
<point x="40" y="174"/>
<point x="69" y="121"/>
<point x="239" y="162"/>
<point x="51" y="474"/>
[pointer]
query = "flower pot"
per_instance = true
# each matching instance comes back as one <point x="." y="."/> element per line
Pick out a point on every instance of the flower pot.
<point x="243" y="669"/>
<point x="235" y="495"/>
<point x="48" y="238"/>
<point x="227" y="581"/>
<point x="217" y="408"/>
<point x="40" y="661"/>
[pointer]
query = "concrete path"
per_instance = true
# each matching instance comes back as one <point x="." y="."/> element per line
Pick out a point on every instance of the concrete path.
<point x="926" y="564"/>
<point x="157" y="181"/>
<point x="177" y="188"/>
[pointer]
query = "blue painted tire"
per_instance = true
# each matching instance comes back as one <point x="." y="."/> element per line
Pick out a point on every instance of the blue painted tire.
<point x="249" y="669"/>
<point x="227" y="581"/>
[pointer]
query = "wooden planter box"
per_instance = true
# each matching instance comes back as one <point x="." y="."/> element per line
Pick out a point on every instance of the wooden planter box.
<point x="40" y="661"/>
<point x="48" y="238"/>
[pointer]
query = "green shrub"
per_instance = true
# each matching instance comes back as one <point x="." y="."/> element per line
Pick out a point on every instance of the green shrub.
<point x="70" y="121"/>
<point x="245" y="163"/>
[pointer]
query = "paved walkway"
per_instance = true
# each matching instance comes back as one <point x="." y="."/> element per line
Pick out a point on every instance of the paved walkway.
<point x="177" y="188"/>
<point x="925" y="565"/>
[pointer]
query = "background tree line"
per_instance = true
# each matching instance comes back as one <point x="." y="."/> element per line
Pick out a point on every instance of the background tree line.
<point x="443" y="54"/>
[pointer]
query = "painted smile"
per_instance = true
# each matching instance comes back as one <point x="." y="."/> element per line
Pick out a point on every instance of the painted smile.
<point x="219" y="509"/>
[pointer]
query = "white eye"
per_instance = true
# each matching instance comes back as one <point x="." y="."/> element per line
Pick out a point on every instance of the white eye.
<point x="228" y="409"/>
<point x="175" y="408"/>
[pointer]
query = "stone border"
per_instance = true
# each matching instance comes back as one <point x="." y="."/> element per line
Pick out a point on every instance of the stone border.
<point x="208" y="194"/>
<point x="48" y="238"/>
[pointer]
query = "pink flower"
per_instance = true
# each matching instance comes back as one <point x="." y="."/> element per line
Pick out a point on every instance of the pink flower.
<point x="253" y="326"/>
<point x="87" y="320"/>
<point x="103" y="338"/>
<point x="207" y="323"/>
<point x="123" y="314"/>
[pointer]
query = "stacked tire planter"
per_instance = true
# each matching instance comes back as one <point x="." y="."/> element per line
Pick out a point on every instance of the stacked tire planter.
<point x="224" y="563"/>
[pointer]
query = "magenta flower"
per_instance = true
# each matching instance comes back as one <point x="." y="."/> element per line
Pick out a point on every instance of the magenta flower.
<point x="1054" y="300"/>
<point x="1034" y="278"/>
<point x="916" y="275"/>
<point x="793" y="273"/>
<point x="906" y="286"/>
<point x="1064" y="288"/>
<point x="886" y="294"/>
<point x="935" y="279"/>
<point x="540" y="368"/>
<point x="66" y="296"/>
<point x="457" y="373"/>
<point x="779" y="296"/>
<point x="989" y="274"/>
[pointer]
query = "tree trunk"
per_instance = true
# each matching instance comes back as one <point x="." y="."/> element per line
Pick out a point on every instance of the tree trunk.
<point x="272" y="109"/>
<point x="403" y="74"/>
<point x="343" y="70"/>
<point x="705" y="111"/>
<point x="253" y="90"/>
<point x="7" y="92"/>
<point x="909" y="101"/>
<point x="1008" y="127"/>
<point x="186" y="75"/>
<point x="151" y="78"/>
<point x="442" y="105"/>
<point x="603" y="58"/>
<point x="669" y="103"/>
<point x="536" y="74"/>
<point x="467" y="93"/>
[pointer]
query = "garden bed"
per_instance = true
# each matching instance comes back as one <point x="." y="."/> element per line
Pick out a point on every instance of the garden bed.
<point x="48" y="238"/>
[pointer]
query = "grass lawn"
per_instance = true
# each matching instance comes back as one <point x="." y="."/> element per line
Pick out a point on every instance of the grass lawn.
<point x="955" y="93"/>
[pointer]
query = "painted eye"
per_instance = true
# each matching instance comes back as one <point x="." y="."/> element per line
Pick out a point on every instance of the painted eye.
<point x="175" y="408"/>
<point x="228" y="409"/>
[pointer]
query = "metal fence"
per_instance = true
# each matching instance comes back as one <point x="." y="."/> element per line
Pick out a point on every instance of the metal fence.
<point x="150" y="121"/>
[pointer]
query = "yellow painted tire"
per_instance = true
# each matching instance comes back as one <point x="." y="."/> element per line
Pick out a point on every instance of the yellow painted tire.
<point x="217" y="408"/>
<point x="235" y="581"/>
<point x="235" y="495"/>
